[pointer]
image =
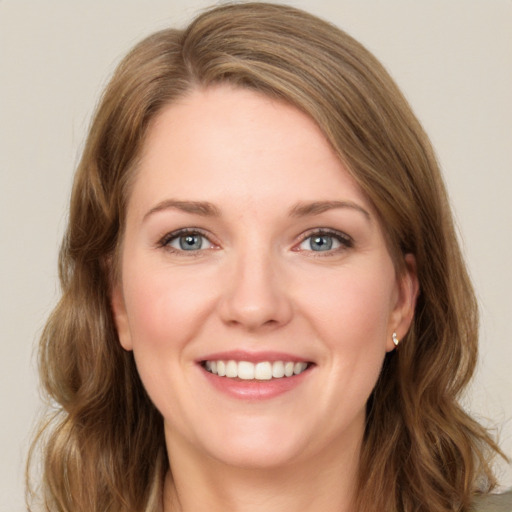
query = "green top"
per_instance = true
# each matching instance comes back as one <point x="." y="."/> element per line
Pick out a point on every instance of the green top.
<point x="494" y="503"/>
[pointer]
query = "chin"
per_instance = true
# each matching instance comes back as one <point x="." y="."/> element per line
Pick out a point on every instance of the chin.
<point x="256" y="456"/>
<point x="256" y="445"/>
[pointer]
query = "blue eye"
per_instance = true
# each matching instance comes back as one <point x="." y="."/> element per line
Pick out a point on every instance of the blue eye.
<point x="324" y="242"/>
<point x="190" y="242"/>
<point x="321" y="243"/>
<point x="186" y="241"/>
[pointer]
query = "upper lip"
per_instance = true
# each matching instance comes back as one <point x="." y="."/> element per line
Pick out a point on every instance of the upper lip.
<point x="253" y="357"/>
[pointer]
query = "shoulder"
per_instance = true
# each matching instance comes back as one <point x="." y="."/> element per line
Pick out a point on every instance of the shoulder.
<point x="493" y="503"/>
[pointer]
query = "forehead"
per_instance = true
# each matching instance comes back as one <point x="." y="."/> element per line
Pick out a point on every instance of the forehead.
<point x="223" y="143"/>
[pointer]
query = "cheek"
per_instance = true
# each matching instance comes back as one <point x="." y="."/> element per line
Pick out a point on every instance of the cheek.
<point x="165" y="311"/>
<point x="351" y="317"/>
<point x="357" y="338"/>
<point x="164" y="306"/>
<point x="352" y="306"/>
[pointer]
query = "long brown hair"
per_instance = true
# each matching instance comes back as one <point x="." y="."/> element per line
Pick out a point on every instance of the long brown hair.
<point x="103" y="446"/>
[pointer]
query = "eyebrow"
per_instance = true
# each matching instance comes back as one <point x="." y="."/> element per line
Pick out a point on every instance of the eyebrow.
<point x="207" y="209"/>
<point x="318" y="207"/>
<point x="203" y="208"/>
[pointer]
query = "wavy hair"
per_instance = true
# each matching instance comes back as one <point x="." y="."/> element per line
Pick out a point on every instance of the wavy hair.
<point x="102" y="446"/>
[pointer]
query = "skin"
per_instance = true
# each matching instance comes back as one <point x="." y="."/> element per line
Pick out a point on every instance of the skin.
<point x="256" y="284"/>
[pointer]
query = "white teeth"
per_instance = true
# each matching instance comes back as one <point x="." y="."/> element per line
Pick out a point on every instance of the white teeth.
<point x="231" y="369"/>
<point x="245" y="370"/>
<point x="264" y="370"/>
<point x="288" y="369"/>
<point x="221" y="368"/>
<point x="278" y="370"/>
<point x="299" y="368"/>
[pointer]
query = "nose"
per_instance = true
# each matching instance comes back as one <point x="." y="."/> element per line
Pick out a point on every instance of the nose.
<point x="256" y="296"/>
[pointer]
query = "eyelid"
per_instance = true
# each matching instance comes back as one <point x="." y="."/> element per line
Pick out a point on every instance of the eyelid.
<point x="163" y="242"/>
<point x="346" y="240"/>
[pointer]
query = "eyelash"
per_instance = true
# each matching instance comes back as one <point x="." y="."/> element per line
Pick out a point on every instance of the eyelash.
<point x="346" y="242"/>
<point x="164" y="242"/>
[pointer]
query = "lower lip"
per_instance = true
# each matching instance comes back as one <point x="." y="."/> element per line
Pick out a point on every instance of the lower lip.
<point x="255" y="389"/>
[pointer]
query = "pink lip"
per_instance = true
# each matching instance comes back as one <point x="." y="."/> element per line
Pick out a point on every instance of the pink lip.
<point x="253" y="357"/>
<point x="254" y="389"/>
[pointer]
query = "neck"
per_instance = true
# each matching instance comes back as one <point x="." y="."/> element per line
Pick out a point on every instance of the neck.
<point x="200" y="483"/>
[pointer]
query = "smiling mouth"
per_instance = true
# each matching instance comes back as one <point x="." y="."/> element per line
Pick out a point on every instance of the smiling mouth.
<point x="264" y="370"/>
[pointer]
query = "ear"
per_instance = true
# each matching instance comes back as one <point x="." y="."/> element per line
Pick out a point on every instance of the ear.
<point x="121" y="317"/>
<point x="403" y="312"/>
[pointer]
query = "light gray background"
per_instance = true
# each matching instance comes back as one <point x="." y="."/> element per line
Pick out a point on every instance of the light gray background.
<point x="452" y="58"/>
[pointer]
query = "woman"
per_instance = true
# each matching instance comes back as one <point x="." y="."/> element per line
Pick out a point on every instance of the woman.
<point x="264" y="304"/>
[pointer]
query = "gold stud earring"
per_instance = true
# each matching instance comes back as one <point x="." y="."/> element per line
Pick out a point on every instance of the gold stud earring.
<point x="396" y="341"/>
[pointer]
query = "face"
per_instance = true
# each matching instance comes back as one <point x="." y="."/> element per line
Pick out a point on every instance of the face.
<point x="256" y="291"/>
